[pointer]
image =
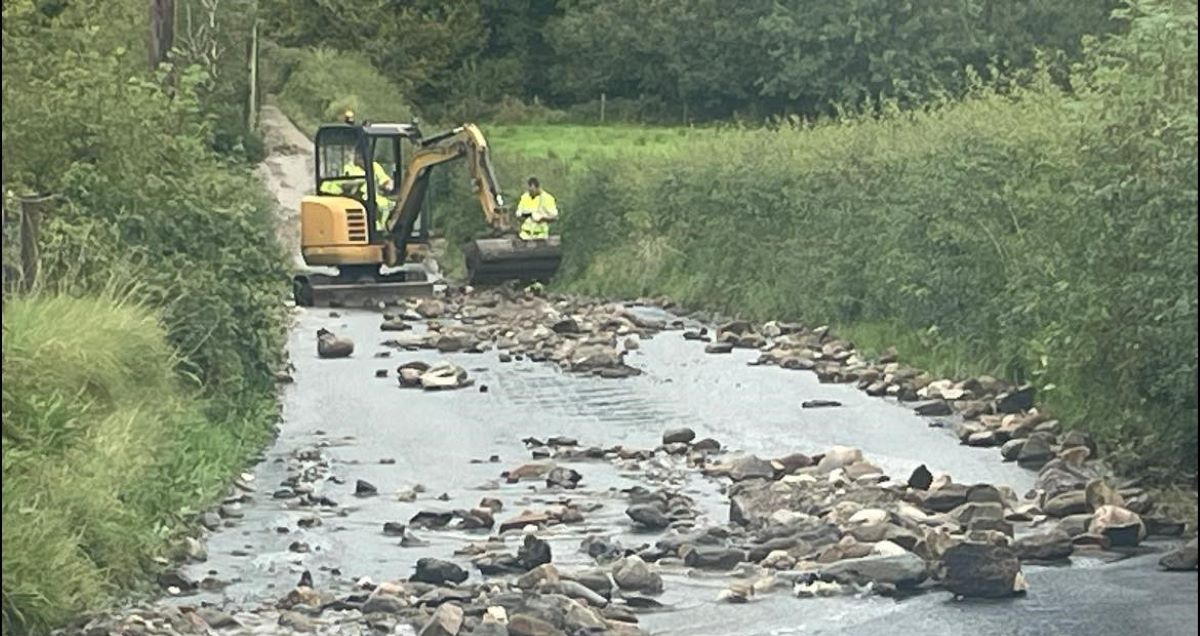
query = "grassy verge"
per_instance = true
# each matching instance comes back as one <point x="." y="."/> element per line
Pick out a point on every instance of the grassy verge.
<point x="106" y="453"/>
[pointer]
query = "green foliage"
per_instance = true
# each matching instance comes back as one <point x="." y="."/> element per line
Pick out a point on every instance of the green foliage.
<point x="1048" y="236"/>
<point x="103" y="448"/>
<point x="684" y="60"/>
<point x="119" y="416"/>
<point x="317" y="86"/>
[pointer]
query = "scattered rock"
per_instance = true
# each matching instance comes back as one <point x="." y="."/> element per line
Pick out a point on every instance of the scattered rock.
<point x="1054" y="545"/>
<point x="921" y="478"/>
<point x="901" y="570"/>
<point x="648" y="515"/>
<point x="365" y="489"/>
<point x="447" y="620"/>
<point x="438" y="572"/>
<point x="719" y="347"/>
<point x="819" y="404"/>
<point x="1016" y="401"/>
<point x="633" y="574"/>
<point x="678" y="436"/>
<point x="980" y="570"/>
<point x="750" y="467"/>
<point x="563" y="478"/>
<point x="533" y="552"/>
<point x="1068" y="503"/>
<point x="1123" y="528"/>
<point x="527" y="625"/>
<point x="1181" y="559"/>
<point x="933" y="408"/>
<point x="331" y="346"/>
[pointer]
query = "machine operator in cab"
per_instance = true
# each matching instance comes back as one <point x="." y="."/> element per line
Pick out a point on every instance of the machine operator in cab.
<point x="358" y="187"/>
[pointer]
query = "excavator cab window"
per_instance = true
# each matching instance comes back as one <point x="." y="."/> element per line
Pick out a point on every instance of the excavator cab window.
<point x="336" y="148"/>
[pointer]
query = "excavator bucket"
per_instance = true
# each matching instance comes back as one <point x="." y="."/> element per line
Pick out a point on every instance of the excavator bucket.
<point x="500" y="260"/>
<point x="318" y="290"/>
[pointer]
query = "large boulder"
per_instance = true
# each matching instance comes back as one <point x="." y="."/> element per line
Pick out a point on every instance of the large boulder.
<point x="444" y="375"/>
<point x="838" y="457"/>
<point x="331" y="346"/>
<point x="713" y="557"/>
<point x="447" y="620"/>
<point x="1054" y="545"/>
<point x="634" y="575"/>
<point x="750" y="467"/>
<point x="678" y="436"/>
<point x="648" y="515"/>
<point x="1123" y="528"/>
<point x="901" y="570"/>
<point x="533" y="552"/>
<point x="980" y="570"/>
<point x="437" y="572"/>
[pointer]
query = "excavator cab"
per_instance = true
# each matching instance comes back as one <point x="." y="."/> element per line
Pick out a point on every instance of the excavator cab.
<point x="342" y="225"/>
<point x="353" y="224"/>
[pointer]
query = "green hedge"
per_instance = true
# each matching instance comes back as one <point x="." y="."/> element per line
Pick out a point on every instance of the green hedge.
<point x="1051" y="237"/>
<point x="151" y="341"/>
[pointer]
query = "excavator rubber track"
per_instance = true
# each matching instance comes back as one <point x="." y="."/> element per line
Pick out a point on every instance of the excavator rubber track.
<point x="319" y="290"/>
<point x="495" y="261"/>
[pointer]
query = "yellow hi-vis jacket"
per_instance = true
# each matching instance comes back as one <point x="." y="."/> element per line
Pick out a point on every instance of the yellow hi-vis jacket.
<point x="382" y="204"/>
<point x="541" y="208"/>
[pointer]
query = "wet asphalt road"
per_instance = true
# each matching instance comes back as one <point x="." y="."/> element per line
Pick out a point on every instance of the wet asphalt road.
<point x="433" y="438"/>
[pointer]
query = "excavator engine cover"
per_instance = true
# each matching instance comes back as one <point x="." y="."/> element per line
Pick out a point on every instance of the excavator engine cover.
<point x="500" y="260"/>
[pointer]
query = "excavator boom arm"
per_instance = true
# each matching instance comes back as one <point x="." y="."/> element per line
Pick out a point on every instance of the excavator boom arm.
<point x="465" y="141"/>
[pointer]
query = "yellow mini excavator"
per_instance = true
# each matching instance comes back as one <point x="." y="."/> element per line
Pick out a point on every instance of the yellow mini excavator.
<point x="350" y="223"/>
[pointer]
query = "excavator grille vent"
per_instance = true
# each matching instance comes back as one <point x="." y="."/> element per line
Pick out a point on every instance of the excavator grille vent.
<point x="356" y="225"/>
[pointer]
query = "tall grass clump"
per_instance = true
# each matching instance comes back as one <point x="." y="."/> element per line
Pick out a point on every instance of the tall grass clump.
<point x="105" y="450"/>
<point x="1049" y="235"/>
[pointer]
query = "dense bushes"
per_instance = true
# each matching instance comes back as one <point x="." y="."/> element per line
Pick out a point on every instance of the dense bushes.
<point x="686" y="60"/>
<point x="119" y="419"/>
<point x="1051" y="235"/>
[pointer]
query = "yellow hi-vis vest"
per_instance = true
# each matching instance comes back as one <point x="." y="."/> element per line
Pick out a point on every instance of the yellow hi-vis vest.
<point x="382" y="204"/>
<point x="539" y="209"/>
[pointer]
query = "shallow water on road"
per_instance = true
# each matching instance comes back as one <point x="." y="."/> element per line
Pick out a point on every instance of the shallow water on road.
<point x="434" y="436"/>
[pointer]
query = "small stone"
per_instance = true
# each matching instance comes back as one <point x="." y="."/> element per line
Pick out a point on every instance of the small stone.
<point x="632" y="573"/>
<point x="447" y="620"/>
<point x="1181" y="559"/>
<point x="533" y="552"/>
<point x="438" y="572"/>
<point x="934" y="408"/>
<point x="648" y="516"/>
<point x="678" y="436"/>
<point x="819" y="404"/>
<point x="364" y="489"/>
<point x="921" y="478"/>
<point x="1054" y="545"/>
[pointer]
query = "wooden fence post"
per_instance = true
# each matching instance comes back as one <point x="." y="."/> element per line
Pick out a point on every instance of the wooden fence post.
<point x="31" y="224"/>
<point x="252" y="114"/>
